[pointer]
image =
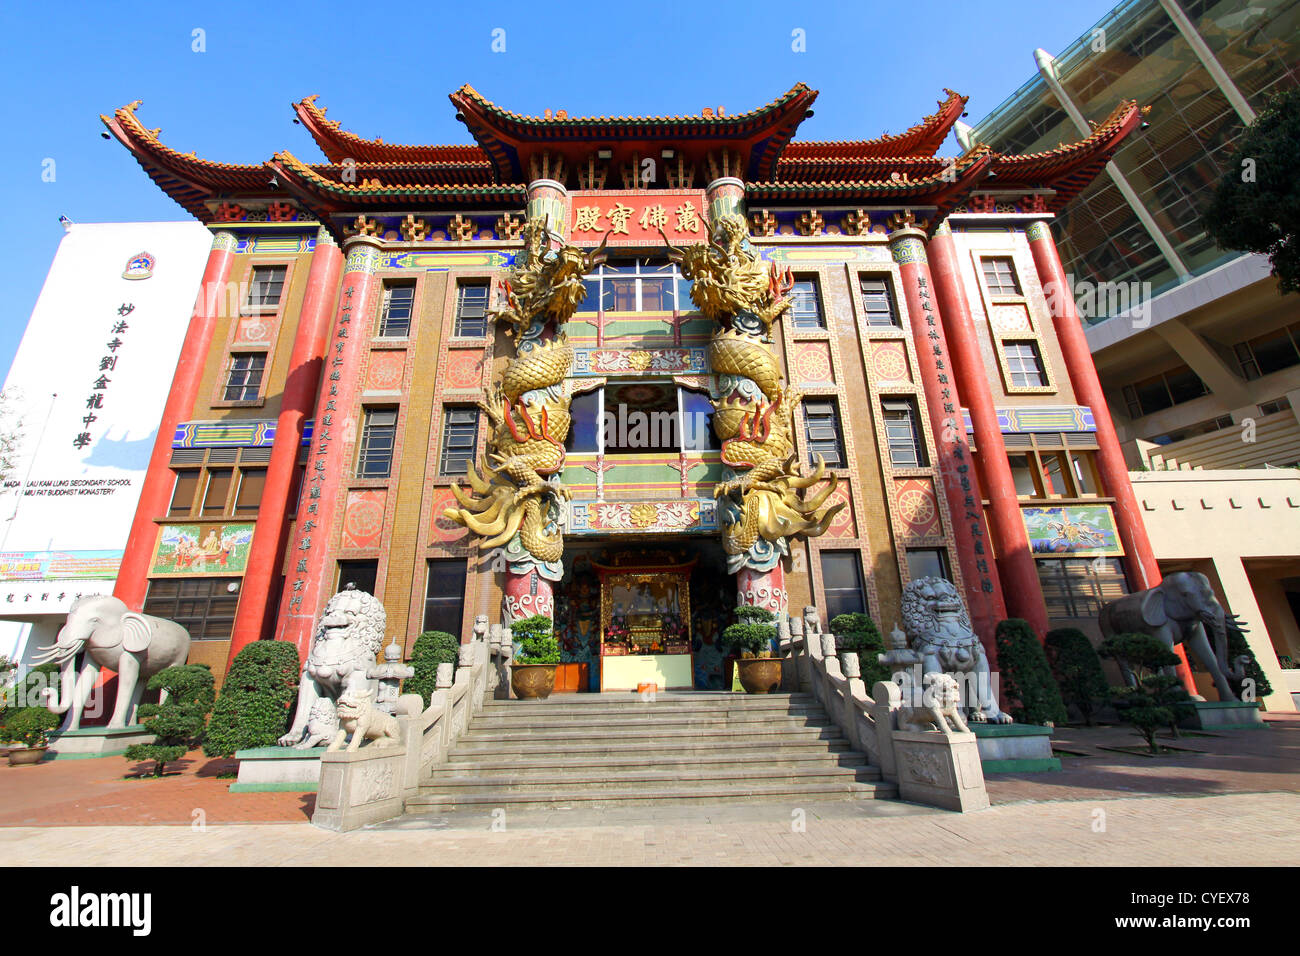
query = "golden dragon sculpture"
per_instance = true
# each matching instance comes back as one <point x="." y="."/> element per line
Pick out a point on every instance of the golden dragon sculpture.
<point x="762" y="494"/>
<point x="510" y="501"/>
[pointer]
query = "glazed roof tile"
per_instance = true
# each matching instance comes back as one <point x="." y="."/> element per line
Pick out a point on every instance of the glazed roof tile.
<point x="923" y="139"/>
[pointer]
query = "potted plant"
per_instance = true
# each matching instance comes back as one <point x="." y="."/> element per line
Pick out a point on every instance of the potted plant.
<point x="750" y="639"/>
<point x="532" y="674"/>
<point x="30" y="727"/>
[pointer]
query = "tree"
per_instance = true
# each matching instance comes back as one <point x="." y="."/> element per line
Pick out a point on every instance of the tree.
<point x="11" y="435"/>
<point x="753" y="632"/>
<point x="1256" y="207"/>
<point x="431" y="649"/>
<point x="1077" y="669"/>
<point x="1156" y="701"/>
<point x="1238" y="649"/>
<point x="536" y="640"/>
<point x="858" y="633"/>
<point x="176" y="723"/>
<point x="1026" y="676"/>
<point x="253" y="709"/>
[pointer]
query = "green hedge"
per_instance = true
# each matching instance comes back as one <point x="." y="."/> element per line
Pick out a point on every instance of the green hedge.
<point x="856" y="632"/>
<point x="254" y="706"/>
<point x="177" y="723"/>
<point x="431" y="649"/>
<point x="1077" y="670"/>
<point x="536" y="640"/>
<point x="1026" y="677"/>
<point x="752" y="633"/>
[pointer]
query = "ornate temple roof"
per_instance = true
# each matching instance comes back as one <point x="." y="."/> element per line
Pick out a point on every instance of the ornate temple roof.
<point x="364" y="175"/>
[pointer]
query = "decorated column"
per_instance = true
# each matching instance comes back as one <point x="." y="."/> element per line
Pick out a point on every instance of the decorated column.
<point x="156" y="490"/>
<point x="335" y="430"/>
<point x="953" y="461"/>
<point x="266" y="553"/>
<point x="1140" y="564"/>
<point x="1015" y="560"/>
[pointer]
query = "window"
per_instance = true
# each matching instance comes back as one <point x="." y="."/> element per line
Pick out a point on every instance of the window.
<point x="928" y="563"/>
<point x="203" y="606"/>
<point x="266" y="286"/>
<point x="639" y="285"/>
<point x="360" y="574"/>
<point x="217" y="491"/>
<point x="1163" y="391"/>
<point x="378" y="434"/>
<point x="244" y="380"/>
<point x="1275" y="406"/>
<point x="1269" y="353"/>
<point x="252" y="482"/>
<point x="1191" y="431"/>
<point x="459" y="439"/>
<point x="395" y="318"/>
<point x="1024" y="365"/>
<point x="187" y="485"/>
<point x="584" y="427"/>
<point x="1022" y="473"/>
<point x="902" y="434"/>
<point x="821" y="428"/>
<point x="877" y="302"/>
<point x="471" y="310"/>
<point x="1078" y="587"/>
<point x="1000" y="275"/>
<point x="806" y="311"/>
<point x="697" y="422"/>
<point x="444" y="597"/>
<point x="1085" y="474"/>
<point x="842" y="582"/>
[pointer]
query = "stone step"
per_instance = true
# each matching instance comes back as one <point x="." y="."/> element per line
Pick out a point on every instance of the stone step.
<point x="606" y="712"/>
<point x="667" y="760"/>
<point x="645" y="777"/>
<point x="644" y="721"/>
<point x="648" y="796"/>
<point x="650" y="735"/>
<point x="698" y="700"/>
<point x="699" y="748"/>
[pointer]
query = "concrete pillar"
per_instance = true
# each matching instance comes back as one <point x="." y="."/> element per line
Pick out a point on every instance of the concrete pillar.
<point x="1240" y="595"/>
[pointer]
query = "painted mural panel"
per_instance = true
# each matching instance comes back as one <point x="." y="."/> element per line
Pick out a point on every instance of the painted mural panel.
<point x="190" y="549"/>
<point x="363" y="524"/>
<point x="1072" y="529"/>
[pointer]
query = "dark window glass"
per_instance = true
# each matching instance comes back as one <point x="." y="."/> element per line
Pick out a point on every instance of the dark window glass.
<point x="471" y="310"/>
<point x="444" y="598"/>
<point x="266" y="285"/>
<point x="360" y="574"/>
<point x="806" y="311"/>
<point x="1274" y="352"/>
<point x="842" y="582"/>
<point x="1024" y="366"/>
<point x="902" y="434"/>
<point x="656" y="295"/>
<point x="395" y="319"/>
<point x="620" y="295"/>
<point x="187" y="485"/>
<point x="1000" y="276"/>
<point x="459" y="440"/>
<point x="217" y="491"/>
<point x="252" y="482"/>
<point x="877" y="302"/>
<point x="1184" y="385"/>
<point x="203" y="606"/>
<point x="1162" y="391"/>
<point x="1078" y="587"/>
<point x="244" y="381"/>
<point x="378" y="434"/>
<point x="1022" y="473"/>
<point x="822" y="432"/>
<point x="697" y="424"/>
<point x="928" y="563"/>
<point x="584" y="427"/>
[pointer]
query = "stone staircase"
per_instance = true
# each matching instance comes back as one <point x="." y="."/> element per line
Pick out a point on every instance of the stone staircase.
<point x="599" y="750"/>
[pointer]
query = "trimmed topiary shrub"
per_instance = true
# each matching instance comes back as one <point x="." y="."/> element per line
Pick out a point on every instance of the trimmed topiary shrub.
<point x="1157" y="701"/>
<point x="176" y="723"/>
<point x="536" y="640"/>
<point x="27" y="692"/>
<point x="30" y="726"/>
<point x="1026" y="677"/>
<point x="1077" y="670"/>
<point x="431" y="649"/>
<point x="253" y="708"/>
<point x="858" y="633"/>
<point x="753" y="632"/>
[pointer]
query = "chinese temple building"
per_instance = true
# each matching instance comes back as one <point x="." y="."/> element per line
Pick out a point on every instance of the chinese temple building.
<point x="628" y="373"/>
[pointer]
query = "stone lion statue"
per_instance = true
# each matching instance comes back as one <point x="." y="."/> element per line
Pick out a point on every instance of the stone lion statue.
<point x="346" y="642"/>
<point x="939" y="631"/>
<point x="359" y="717"/>
<point x="940" y="707"/>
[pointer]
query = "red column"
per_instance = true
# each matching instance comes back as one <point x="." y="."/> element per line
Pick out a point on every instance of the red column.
<point x="1142" y="570"/>
<point x="266" y="553"/>
<point x="156" y="491"/>
<point x="337" y="425"/>
<point x="763" y="588"/>
<point x="1015" y="560"/>
<point x="952" y="453"/>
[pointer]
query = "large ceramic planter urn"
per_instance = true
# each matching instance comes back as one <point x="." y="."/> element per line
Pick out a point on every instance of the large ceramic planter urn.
<point x="759" y="675"/>
<point x="26" y="755"/>
<point x="532" y="681"/>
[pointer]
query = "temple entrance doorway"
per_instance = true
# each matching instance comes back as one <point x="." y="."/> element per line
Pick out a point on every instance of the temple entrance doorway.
<point x="655" y="605"/>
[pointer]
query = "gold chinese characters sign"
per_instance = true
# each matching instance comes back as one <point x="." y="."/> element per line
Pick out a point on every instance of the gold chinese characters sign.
<point x="637" y="217"/>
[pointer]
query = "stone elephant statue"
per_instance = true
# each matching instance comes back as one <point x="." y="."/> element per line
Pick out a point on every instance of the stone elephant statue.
<point x="136" y="646"/>
<point x="1181" y="609"/>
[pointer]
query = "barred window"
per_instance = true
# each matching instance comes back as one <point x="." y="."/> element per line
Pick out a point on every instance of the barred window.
<point x="444" y="596"/>
<point x="471" y="310"/>
<point x="395" y="318"/>
<point x="459" y="440"/>
<point x="266" y="286"/>
<point x="1024" y="364"/>
<point x="1000" y="275"/>
<point x="203" y="606"/>
<point x="821" y="423"/>
<point x="1078" y="587"/>
<point x="806" y="311"/>
<point x="378" y="436"/>
<point x="878" y="302"/>
<point x="842" y="582"/>
<point x="244" y="380"/>
<point x="903" y="434"/>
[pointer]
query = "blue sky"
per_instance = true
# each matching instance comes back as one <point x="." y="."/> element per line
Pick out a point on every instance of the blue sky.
<point x="879" y="67"/>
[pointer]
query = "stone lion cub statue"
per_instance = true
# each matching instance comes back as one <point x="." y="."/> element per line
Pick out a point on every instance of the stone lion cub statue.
<point x="346" y="642"/>
<point x="359" y="717"/>
<point x="940" y="633"/>
<point x="940" y="707"/>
